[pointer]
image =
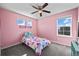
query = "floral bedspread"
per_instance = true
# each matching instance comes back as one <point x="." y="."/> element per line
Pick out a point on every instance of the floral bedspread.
<point x="36" y="43"/>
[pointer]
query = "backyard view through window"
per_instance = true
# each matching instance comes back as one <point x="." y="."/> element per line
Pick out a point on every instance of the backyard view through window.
<point x="64" y="26"/>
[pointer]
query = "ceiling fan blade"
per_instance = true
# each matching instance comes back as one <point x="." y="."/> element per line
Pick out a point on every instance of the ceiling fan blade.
<point x="34" y="12"/>
<point x="46" y="11"/>
<point x="34" y="7"/>
<point x="40" y="14"/>
<point x="44" y="5"/>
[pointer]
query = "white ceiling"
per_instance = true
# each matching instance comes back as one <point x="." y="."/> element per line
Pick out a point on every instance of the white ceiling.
<point x="26" y="8"/>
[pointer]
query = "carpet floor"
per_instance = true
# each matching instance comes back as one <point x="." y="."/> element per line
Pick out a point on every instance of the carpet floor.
<point x="23" y="50"/>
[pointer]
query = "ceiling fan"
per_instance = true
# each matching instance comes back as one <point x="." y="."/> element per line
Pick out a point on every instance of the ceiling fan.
<point x="40" y="9"/>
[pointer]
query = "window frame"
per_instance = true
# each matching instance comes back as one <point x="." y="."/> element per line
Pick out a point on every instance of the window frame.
<point x="70" y="27"/>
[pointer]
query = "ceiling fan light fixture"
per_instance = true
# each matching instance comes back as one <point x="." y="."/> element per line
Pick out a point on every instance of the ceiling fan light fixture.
<point x="40" y="11"/>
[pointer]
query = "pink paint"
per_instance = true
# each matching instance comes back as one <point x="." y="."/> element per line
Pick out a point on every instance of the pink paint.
<point x="10" y="31"/>
<point x="11" y="34"/>
<point x="47" y="27"/>
<point x="0" y="33"/>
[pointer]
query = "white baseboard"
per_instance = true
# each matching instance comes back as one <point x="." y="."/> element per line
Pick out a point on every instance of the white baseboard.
<point x="11" y="45"/>
<point x="60" y="44"/>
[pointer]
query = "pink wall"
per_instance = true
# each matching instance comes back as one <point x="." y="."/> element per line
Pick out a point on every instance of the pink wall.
<point x="78" y="21"/>
<point x="47" y="27"/>
<point x="0" y="31"/>
<point x="10" y="31"/>
<point x="78" y="13"/>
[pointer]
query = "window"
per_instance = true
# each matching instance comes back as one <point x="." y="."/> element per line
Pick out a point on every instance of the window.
<point x="20" y="22"/>
<point x="24" y="23"/>
<point x="29" y="23"/>
<point x="64" y="26"/>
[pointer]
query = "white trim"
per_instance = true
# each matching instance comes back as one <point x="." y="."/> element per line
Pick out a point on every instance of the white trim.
<point x="70" y="27"/>
<point x="54" y="42"/>
<point x="11" y="45"/>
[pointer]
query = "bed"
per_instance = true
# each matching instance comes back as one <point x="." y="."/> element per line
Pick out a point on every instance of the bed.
<point x="36" y="43"/>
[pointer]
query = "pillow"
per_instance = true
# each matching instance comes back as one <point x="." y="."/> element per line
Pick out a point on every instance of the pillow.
<point x="28" y="34"/>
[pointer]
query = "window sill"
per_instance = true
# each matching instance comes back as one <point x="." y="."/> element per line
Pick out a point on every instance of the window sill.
<point x="64" y="36"/>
